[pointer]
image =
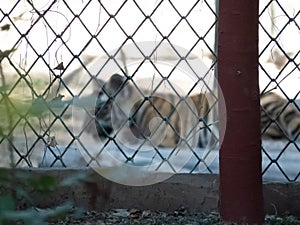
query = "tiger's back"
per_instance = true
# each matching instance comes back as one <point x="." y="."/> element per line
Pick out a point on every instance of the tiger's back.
<point x="280" y="119"/>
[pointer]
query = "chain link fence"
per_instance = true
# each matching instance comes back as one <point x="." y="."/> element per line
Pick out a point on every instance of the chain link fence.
<point x="279" y="72"/>
<point x="55" y="57"/>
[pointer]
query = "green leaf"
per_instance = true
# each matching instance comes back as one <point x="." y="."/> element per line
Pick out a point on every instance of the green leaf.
<point x="57" y="102"/>
<point x="74" y="180"/>
<point x="6" y="53"/>
<point x="5" y="27"/>
<point x="38" y="107"/>
<point x="36" y="216"/>
<point x="44" y="184"/>
<point x="41" y="105"/>
<point x="4" y="88"/>
<point x="7" y="203"/>
<point x="87" y="102"/>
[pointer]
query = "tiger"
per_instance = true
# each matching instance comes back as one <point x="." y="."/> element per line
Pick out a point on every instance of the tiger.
<point x="280" y="119"/>
<point x="121" y="102"/>
<point x="161" y="120"/>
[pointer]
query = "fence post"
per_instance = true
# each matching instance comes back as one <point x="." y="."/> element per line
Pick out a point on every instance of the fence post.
<point x="241" y="197"/>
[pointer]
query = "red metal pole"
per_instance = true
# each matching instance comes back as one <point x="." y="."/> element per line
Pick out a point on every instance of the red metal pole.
<point x="241" y="197"/>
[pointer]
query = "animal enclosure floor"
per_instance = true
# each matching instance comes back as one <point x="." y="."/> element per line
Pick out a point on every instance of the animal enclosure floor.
<point x="148" y="217"/>
<point x="277" y="164"/>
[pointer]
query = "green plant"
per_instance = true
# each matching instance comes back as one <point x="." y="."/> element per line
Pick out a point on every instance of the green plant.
<point x="276" y="220"/>
<point x="17" y="205"/>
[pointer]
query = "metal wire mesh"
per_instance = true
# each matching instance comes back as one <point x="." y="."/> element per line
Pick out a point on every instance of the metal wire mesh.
<point x="55" y="56"/>
<point x="279" y="72"/>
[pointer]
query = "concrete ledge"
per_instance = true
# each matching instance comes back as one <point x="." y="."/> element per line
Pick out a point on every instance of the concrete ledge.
<point x="196" y="192"/>
<point x="282" y="198"/>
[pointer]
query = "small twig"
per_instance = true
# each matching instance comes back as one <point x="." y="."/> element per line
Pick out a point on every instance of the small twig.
<point x="123" y="58"/>
<point x="10" y="119"/>
<point x="274" y="206"/>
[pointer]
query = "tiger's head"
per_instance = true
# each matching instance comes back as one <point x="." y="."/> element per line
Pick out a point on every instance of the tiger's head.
<point x="112" y="105"/>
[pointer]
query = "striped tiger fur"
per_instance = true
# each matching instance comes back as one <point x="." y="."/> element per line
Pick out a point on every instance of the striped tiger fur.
<point x="279" y="118"/>
<point x="119" y="102"/>
<point x="165" y="120"/>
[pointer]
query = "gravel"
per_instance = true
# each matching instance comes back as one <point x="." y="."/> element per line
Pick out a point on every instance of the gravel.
<point x="148" y="217"/>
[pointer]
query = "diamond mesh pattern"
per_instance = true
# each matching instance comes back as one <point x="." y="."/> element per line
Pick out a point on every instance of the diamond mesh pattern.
<point x="279" y="71"/>
<point x="46" y="70"/>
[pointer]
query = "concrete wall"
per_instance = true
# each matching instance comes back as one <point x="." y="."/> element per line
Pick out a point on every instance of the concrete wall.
<point x="196" y="192"/>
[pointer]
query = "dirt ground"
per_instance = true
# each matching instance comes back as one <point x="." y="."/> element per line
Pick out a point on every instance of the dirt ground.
<point x="147" y="217"/>
<point x="139" y="217"/>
